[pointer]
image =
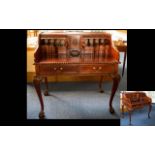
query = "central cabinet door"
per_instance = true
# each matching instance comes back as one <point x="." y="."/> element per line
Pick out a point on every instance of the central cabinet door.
<point x="74" y="46"/>
<point x="74" y="42"/>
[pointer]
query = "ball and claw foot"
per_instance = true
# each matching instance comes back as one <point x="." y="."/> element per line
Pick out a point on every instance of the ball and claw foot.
<point x="41" y="115"/>
<point x="101" y="91"/>
<point x="112" y="111"/>
<point x="46" y="93"/>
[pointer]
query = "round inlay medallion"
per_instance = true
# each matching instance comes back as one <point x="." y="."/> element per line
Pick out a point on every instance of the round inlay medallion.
<point x="74" y="53"/>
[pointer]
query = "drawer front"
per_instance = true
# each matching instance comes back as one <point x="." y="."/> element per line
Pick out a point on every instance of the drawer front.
<point x="103" y="68"/>
<point x="46" y="69"/>
<point x="76" y="69"/>
<point x="57" y="69"/>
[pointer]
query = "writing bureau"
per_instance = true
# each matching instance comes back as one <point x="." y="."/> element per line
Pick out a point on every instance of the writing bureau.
<point x="75" y="54"/>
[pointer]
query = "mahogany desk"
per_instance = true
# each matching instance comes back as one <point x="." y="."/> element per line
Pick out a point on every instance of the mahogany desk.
<point x="76" y="54"/>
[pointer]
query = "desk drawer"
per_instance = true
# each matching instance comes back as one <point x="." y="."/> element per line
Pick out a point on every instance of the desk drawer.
<point x="77" y="69"/>
<point x="57" y="69"/>
<point x="103" y="68"/>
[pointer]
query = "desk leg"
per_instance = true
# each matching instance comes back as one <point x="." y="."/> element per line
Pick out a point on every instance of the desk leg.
<point x="124" y="62"/>
<point x="130" y="117"/>
<point x="116" y="81"/>
<point x="122" y="110"/>
<point x="150" y="108"/>
<point x="37" y="82"/>
<point x="100" y="85"/>
<point x="46" y="85"/>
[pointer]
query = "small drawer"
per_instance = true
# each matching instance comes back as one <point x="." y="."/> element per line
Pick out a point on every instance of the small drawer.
<point x="103" y="68"/>
<point x="47" y="69"/>
<point x="67" y="69"/>
<point x="57" y="69"/>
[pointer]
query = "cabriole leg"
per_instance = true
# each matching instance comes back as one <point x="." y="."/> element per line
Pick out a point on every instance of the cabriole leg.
<point x="100" y="85"/>
<point x="116" y="81"/>
<point x="130" y="117"/>
<point x="122" y="110"/>
<point x="150" y="108"/>
<point x="37" y="82"/>
<point x="46" y="87"/>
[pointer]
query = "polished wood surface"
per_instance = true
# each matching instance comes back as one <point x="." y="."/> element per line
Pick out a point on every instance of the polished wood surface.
<point x="75" y="54"/>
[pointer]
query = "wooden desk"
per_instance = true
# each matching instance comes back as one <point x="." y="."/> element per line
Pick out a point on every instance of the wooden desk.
<point x="135" y="100"/>
<point x="124" y="50"/>
<point x="76" y="54"/>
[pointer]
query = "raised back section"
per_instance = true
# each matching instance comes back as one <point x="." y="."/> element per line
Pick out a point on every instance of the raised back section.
<point x="129" y="95"/>
<point x="79" y="45"/>
<point x="97" y="45"/>
<point x="134" y="96"/>
<point x="53" y="46"/>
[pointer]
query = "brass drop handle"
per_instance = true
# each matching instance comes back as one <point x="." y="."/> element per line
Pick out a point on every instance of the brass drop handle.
<point x="55" y="68"/>
<point x="94" y="68"/>
<point x="61" y="68"/>
<point x="100" y="68"/>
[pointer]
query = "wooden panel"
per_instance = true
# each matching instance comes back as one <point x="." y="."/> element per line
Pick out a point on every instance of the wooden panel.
<point x="51" y="69"/>
<point x="56" y="69"/>
<point x="102" y="68"/>
<point x="66" y="78"/>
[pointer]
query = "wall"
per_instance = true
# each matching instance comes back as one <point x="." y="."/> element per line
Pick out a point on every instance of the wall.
<point x="152" y="95"/>
<point x="30" y="60"/>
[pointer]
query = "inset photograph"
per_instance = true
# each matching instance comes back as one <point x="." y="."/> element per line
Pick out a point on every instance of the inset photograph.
<point x="137" y="108"/>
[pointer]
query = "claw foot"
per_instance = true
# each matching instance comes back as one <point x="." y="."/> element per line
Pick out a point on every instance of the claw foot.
<point x="42" y="115"/>
<point x="112" y="111"/>
<point x="46" y="93"/>
<point x="101" y="91"/>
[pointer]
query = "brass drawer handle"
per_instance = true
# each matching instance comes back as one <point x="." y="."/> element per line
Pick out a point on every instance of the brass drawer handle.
<point x="100" y="68"/>
<point x="94" y="68"/>
<point x="61" y="68"/>
<point x="55" y="68"/>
